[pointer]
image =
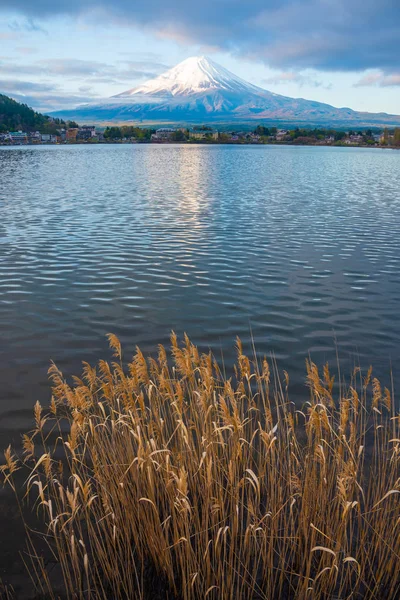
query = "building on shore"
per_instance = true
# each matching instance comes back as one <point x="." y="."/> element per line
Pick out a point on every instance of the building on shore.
<point x="34" y="137"/>
<point x="281" y="135"/>
<point x="356" y="139"/>
<point x="18" y="137"/>
<point x="62" y="135"/>
<point x="164" y="134"/>
<point x="86" y="132"/>
<point x="203" y="134"/>
<point x="48" y="138"/>
<point x="71" y="134"/>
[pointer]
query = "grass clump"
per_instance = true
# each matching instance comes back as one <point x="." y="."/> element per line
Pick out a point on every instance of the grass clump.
<point x="169" y="480"/>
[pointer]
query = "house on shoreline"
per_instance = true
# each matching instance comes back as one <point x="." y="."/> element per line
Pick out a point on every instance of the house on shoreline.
<point x="164" y="134"/>
<point x="203" y="134"/>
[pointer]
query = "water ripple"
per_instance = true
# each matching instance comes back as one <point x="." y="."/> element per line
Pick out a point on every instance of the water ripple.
<point x="299" y="247"/>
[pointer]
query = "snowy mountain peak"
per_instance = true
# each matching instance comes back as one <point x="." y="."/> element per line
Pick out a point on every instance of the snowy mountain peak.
<point x="194" y="75"/>
<point x="198" y="90"/>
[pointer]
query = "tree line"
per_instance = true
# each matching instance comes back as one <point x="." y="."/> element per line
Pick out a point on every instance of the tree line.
<point x="126" y="132"/>
<point x="303" y="136"/>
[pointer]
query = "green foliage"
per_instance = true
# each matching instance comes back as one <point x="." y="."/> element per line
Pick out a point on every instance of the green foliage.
<point x="15" y="116"/>
<point x="128" y="132"/>
<point x="178" y="136"/>
<point x="112" y="133"/>
<point x="261" y="130"/>
<point x="339" y="136"/>
<point x="385" y="141"/>
<point x="311" y="136"/>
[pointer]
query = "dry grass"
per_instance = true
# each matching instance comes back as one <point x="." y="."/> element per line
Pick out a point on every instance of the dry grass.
<point x="6" y="592"/>
<point x="169" y="480"/>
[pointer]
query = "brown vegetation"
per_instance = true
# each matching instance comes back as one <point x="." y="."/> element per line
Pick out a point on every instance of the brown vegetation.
<point x="177" y="482"/>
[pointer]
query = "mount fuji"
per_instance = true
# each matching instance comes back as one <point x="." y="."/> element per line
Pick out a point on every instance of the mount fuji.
<point x="196" y="75"/>
<point x="198" y="90"/>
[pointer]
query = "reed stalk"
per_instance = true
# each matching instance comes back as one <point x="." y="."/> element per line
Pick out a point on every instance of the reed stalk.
<point x="169" y="480"/>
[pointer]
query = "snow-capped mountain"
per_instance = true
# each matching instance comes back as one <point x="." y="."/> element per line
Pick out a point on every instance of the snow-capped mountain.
<point x="198" y="90"/>
<point x="194" y="75"/>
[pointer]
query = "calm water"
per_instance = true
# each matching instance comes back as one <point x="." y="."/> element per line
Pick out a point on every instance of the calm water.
<point x="299" y="245"/>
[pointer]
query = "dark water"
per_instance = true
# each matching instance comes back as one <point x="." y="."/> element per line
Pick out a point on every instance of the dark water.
<point x="299" y="245"/>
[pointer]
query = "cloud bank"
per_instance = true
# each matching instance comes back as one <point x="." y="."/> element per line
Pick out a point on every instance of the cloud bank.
<point x="379" y="79"/>
<point x="328" y="35"/>
<point x="46" y="95"/>
<point x="293" y="77"/>
<point x="86" y="70"/>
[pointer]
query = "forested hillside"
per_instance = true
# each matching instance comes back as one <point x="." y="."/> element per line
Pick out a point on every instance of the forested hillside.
<point x="15" y="116"/>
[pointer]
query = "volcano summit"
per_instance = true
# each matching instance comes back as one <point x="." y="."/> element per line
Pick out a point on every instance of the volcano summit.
<point x="196" y="75"/>
<point x="198" y="90"/>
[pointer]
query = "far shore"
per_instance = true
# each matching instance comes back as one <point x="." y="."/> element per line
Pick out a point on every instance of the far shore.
<point x="73" y="133"/>
<point x="202" y="143"/>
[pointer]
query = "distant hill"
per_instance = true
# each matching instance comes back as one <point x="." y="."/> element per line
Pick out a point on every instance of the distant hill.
<point x="15" y="116"/>
<point x="198" y="90"/>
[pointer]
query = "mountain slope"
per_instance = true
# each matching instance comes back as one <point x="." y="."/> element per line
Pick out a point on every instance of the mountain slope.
<point x="200" y="90"/>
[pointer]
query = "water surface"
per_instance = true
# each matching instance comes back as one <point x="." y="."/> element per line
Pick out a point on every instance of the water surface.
<point x="299" y="245"/>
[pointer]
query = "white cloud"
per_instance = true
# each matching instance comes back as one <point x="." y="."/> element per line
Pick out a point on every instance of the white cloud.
<point x="296" y="78"/>
<point x="379" y="79"/>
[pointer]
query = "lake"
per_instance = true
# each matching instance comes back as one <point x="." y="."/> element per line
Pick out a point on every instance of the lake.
<point x="297" y="247"/>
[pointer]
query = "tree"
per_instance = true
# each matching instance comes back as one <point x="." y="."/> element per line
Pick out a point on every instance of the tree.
<point x="261" y="130"/>
<point x="223" y="138"/>
<point x="339" y="135"/>
<point x="396" y="137"/>
<point x="178" y="136"/>
<point x="112" y="133"/>
<point x="385" y="141"/>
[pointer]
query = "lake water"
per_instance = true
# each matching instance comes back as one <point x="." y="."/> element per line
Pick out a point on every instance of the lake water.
<point x="300" y="246"/>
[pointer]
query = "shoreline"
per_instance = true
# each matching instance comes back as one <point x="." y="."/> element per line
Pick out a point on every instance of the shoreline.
<point x="201" y="143"/>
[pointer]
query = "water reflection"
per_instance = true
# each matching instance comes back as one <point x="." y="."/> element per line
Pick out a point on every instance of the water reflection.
<point x="300" y="245"/>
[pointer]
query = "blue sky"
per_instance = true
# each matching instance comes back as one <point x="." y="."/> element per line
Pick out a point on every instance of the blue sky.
<point x="60" y="53"/>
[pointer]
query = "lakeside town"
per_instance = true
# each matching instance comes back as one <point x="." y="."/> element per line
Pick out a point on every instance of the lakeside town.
<point x="90" y="134"/>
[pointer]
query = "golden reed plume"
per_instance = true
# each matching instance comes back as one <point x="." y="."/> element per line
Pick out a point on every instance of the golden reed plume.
<point x="168" y="480"/>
